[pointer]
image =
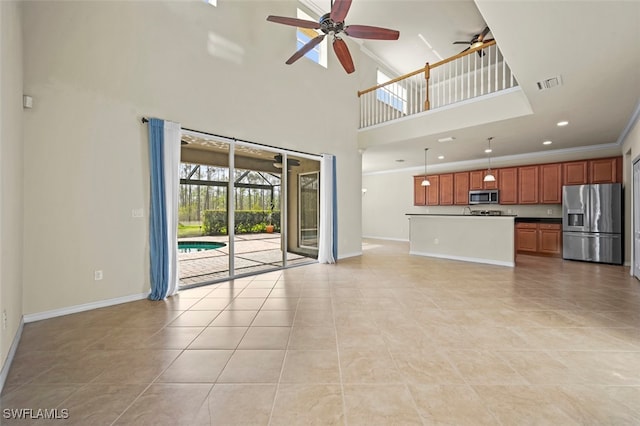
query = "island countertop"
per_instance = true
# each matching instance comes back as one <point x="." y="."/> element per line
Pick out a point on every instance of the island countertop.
<point x="471" y="238"/>
<point x="461" y="215"/>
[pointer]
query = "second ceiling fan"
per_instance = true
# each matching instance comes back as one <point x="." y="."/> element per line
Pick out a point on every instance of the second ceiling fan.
<point x="332" y="23"/>
<point x="476" y="41"/>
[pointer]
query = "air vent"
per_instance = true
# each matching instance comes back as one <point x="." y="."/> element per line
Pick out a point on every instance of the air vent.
<point x="550" y="83"/>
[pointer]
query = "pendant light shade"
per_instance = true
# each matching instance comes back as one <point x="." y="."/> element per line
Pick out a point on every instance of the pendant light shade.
<point x="425" y="182"/>
<point x="489" y="177"/>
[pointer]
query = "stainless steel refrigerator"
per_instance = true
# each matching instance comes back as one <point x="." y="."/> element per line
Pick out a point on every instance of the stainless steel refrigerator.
<point x="592" y="223"/>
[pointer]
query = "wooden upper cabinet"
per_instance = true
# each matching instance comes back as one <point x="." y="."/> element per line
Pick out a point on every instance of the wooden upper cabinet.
<point x="508" y="185"/>
<point x="419" y="191"/>
<point x="528" y="184"/>
<point x="461" y="188"/>
<point x="551" y="183"/>
<point x="605" y="170"/>
<point x="446" y="189"/>
<point x="476" y="180"/>
<point x="433" y="190"/>
<point x="575" y="173"/>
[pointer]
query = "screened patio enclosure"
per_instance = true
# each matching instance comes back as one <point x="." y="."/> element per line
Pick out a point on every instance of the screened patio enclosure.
<point x="255" y="203"/>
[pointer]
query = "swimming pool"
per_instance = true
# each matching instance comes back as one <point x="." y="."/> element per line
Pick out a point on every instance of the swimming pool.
<point x="194" y="246"/>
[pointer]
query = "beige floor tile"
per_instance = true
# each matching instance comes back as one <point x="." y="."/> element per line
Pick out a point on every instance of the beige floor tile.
<point x="586" y="405"/>
<point x="483" y="367"/>
<point x="196" y="366"/>
<point x="303" y="337"/>
<point x="308" y="404"/>
<point x="194" y="319"/>
<point x="368" y="367"/>
<point x="315" y="304"/>
<point x="302" y="366"/>
<point x="234" y="319"/>
<point x="380" y="405"/>
<point x="211" y="304"/>
<point x="36" y="396"/>
<point x="350" y="338"/>
<point x="313" y="318"/>
<point x="603" y="368"/>
<point x="524" y="404"/>
<point x="136" y="366"/>
<point x="253" y="366"/>
<point x="265" y="338"/>
<point x="246" y="304"/>
<point x="173" y="338"/>
<point x="237" y="404"/>
<point x="255" y="292"/>
<point x="288" y="292"/>
<point x="219" y="338"/>
<point x="540" y="367"/>
<point x="450" y="405"/>
<point x="280" y="304"/>
<point x="428" y="367"/>
<point x="96" y="404"/>
<point x="167" y="404"/>
<point x="274" y="319"/>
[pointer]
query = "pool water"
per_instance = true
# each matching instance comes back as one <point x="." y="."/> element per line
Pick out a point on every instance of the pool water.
<point x="195" y="246"/>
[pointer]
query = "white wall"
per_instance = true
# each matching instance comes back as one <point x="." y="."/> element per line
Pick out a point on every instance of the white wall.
<point x="95" y="68"/>
<point x="630" y="151"/>
<point x="11" y="172"/>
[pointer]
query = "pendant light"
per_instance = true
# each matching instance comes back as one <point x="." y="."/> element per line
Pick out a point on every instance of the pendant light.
<point x="425" y="182"/>
<point x="489" y="177"/>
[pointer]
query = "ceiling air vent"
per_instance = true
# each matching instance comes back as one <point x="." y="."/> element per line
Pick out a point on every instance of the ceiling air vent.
<point x="550" y="83"/>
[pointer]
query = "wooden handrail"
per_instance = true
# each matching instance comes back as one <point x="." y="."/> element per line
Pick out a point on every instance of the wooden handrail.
<point x="437" y="64"/>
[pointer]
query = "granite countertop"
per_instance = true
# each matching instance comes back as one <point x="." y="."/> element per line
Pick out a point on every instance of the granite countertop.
<point x="538" y="219"/>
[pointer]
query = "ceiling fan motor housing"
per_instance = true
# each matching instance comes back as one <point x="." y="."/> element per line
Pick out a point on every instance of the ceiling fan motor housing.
<point x="327" y="24"/>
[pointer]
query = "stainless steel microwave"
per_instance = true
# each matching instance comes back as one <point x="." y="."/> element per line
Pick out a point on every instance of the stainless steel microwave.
<point x="486" y="196"/>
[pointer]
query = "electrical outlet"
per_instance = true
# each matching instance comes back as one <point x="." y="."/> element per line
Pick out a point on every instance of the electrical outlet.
<point x="97" y="275"/>
<point x="137" y="213"/>
<point x="549" y="211"/>
<point x="4" y="319"/>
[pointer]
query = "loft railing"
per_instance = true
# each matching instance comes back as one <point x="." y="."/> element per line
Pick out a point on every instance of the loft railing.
<point x="458" y="78"/>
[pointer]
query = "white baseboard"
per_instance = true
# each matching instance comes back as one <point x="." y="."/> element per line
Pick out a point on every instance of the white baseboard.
<point x="465" y="259"/>
<point x="373" y="237"/>
<point x="347" y="255"/>
<point x="84" y="307"/>
<point x="12" y="352"/>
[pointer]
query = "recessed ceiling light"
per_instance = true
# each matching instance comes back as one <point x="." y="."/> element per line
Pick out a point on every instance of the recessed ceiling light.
<point x="440" y="157"/>
<point x="562" y="123"/>
<point x="447" y="139"/>
<point x="488" y="150"/>
<point x="547" y="143"/>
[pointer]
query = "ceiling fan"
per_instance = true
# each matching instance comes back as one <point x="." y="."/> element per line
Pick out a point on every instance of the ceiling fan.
<point x="332" y="23"/>
<point x="476" y="41"/>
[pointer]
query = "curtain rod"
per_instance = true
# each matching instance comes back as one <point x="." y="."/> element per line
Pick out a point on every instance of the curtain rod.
<point x="146" y="120"/>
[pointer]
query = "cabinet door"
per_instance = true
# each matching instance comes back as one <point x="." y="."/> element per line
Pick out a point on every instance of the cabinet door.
<point x="604" y="170"/>
<point x="550" y="239"/>
<point x="433" y="191"/>
<point x="551" y="183"/>
<point x="575" y="173"/>
<point x="461" y="188"/>
<point x="419" y="191"/>
<point x="508" y="185"/>
<point x="446" y="189"/>
<point x="528" y="184"/>
<point x="475" y="180"/>
<point x="527" y="240"/>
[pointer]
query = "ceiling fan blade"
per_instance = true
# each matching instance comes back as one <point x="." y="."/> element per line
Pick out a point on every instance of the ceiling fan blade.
<point x="304" y="49"/>
<point x="483" y="33"/>
<point x="466" y="49"/>
<point x="487" y="41"/>
<point x="342" y="52"/>
<point x="461" y="42"/>
<point x="371" y="33"/>
<point x="339" y="10"/>
<point x="294" y="22"/>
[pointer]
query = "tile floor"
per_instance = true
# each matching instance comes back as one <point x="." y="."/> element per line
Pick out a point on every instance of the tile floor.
<point x="385" y="338"/>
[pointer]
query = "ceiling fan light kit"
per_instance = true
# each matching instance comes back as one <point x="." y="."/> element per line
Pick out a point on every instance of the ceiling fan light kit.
<point x="332" y="24"/>
<point x="476" y="41"/>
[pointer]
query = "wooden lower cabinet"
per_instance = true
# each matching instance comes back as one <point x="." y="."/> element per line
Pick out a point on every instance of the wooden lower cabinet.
<point x="544" y="239"/>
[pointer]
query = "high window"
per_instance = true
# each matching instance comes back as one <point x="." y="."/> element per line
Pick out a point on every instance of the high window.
<point x="304" y="35"/>
<point x="392" y="94"/>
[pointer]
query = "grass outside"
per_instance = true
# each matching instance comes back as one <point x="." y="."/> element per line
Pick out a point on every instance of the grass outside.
<point x="193" y="229"/>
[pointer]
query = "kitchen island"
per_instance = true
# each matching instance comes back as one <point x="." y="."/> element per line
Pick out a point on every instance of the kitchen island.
<point x="471" y="238"/>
